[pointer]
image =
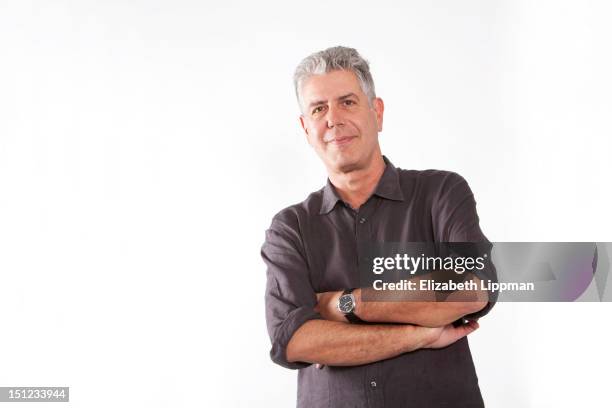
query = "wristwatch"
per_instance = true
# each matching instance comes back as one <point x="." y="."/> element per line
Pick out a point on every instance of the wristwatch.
<point x="346" y="306"/>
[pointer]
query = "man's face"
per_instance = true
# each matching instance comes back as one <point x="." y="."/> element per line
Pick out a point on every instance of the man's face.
<point x="339" y="122"/>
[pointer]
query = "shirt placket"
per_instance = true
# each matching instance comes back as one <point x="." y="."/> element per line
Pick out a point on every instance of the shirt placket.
<point x="363" y="233"/>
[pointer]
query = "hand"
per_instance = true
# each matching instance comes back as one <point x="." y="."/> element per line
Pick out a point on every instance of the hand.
<point x="327" y="306"/>
<point x="447" y="335"/>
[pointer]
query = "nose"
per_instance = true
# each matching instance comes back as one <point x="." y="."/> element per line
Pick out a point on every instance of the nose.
<point x="334" y="118"/>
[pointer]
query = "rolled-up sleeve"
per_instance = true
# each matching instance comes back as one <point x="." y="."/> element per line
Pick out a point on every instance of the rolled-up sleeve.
<point x="290" y="298"/>
<point x="455" y="209"/>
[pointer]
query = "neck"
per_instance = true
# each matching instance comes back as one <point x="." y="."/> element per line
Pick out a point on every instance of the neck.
<point x="355" y="187"/>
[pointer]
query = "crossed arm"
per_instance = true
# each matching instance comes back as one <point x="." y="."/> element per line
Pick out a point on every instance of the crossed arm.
<point x="419" y="324"/>
<point x="342" y="344"/>
<point x="421" y="309"/>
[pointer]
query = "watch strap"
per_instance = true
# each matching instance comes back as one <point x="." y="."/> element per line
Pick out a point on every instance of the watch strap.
<point x="351" y="316"/>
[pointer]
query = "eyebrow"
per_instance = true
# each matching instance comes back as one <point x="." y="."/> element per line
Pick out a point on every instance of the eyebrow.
<point x="340" y="98"/>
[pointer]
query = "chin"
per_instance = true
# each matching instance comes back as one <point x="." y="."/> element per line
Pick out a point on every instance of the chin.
<point x="346" y="166"/>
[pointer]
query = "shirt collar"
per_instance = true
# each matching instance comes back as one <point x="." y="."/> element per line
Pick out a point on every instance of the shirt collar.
<point x="388" y="187"/>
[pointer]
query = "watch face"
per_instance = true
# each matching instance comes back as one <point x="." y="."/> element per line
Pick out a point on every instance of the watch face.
<point x="346" y="303"/>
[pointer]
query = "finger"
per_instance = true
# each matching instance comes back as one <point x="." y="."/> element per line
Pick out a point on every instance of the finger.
<point x="470" y="328"/>
<point x="466" y="329"/>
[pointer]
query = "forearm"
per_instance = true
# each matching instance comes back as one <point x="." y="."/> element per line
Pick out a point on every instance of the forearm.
<point x="430" y="313"/>
<point x="342" y="344"/>
<point x="418" y="307"/>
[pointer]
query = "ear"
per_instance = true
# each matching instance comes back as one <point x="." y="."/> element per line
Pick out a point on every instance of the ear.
<point x="304" y="127"/>
<point x="303" y="124"/>
<point x="379" y="108"/>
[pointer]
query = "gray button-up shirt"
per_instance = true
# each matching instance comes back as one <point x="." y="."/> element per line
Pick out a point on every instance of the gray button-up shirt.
<point x="313" y="247"/>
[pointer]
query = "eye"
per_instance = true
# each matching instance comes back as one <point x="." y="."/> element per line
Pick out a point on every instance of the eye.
<point x="348" y="102"/>
<point x="317" y="110"/>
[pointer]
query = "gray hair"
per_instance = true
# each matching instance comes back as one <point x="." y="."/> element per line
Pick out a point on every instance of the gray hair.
<point x="333" y="59"/>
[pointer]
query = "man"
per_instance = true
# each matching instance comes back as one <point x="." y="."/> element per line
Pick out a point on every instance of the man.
<point x="413" y="356"/>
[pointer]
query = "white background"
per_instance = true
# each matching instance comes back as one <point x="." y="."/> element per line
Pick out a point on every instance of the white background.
<point x="146" y="145"/>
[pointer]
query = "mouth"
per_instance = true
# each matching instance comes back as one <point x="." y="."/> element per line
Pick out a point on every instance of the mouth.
<point x="342" y="141"/>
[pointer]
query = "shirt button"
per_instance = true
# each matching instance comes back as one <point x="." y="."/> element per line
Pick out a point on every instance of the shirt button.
<point x="373" y="384"/>
<point x="362" y="220"/>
